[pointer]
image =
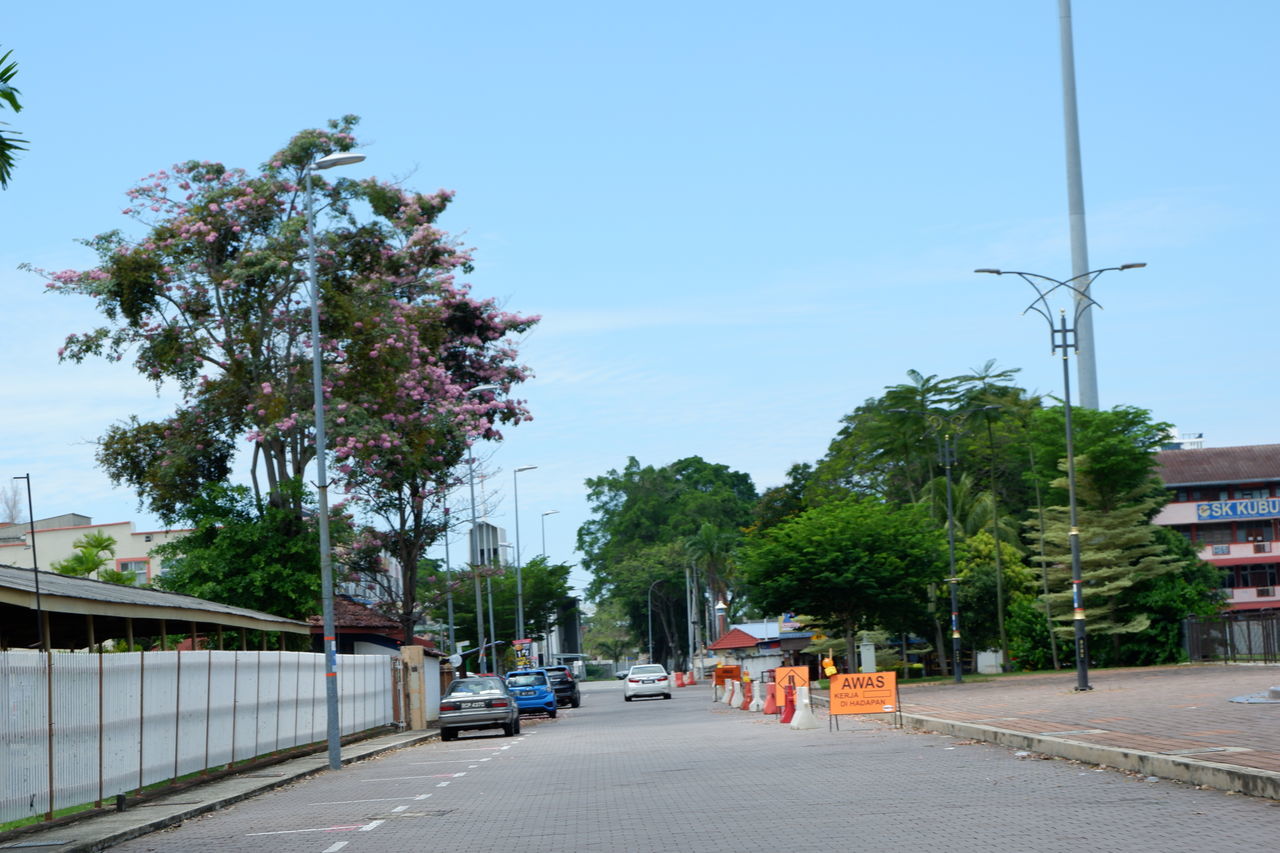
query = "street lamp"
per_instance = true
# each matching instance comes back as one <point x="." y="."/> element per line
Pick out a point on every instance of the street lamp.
<point x="946" y="442"/>
<point x="651" y="586"/>
<point x="42" y="629"/>
<point x="515" y="488"/>
<point x="1063" y="338"/>
<point x="322" y="486"/>
<point x="544" y="528"/>
<point x="475" y="549"/>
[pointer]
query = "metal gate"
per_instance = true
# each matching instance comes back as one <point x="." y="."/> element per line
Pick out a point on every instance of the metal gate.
<point x="1234" y="638"/>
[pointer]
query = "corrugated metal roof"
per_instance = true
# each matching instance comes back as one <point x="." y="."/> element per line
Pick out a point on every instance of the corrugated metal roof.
<point x="1248" y="464"/>
<point x="71" y="599"/>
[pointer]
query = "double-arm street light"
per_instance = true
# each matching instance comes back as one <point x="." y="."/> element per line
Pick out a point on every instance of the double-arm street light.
<point x="515" y="487"/>
<point x="1063" y="338"/>
<point x="944" y="428"/>
<point x="322" y="477"/>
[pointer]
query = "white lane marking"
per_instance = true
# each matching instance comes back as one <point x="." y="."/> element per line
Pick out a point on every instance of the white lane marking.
<point x="459" y="773"/>
<point x="425" y="776"/>
<point x="316" y="829"/>
<point x="472" y="766"/>
<point x="399" y="808"/>
<point x="352" y="802"/>
<point x="422" y="796"/>
<point x="373" y="824"/>
<point x="442" y="785"/>
<point x="334" y="848"/>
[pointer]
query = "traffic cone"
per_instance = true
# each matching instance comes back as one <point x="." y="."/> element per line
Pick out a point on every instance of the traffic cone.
<point x="770" y="699"/>
<point x="789" y="710"/>
<point x="746" y="696"/>
<point x="804" y="718"/>
<point x="679" y="679"/>
<point x="689" y="679"/>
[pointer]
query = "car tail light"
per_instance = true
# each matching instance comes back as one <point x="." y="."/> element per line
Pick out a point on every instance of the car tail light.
<point x="498" y="703"/>
<point x="634" y="680"/>
<point x="449" y="706"/>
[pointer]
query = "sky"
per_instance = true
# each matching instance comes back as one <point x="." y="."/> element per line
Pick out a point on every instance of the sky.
<point x="738" y="221"/>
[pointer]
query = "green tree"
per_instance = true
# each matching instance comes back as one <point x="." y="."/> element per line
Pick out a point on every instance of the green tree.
<point x="856" y="564"/>
<point x="10" y="143"/>
<point x="242" y="552"/>
<point x="979" y="602"/>
<point x="93" y="553"/>
<point x="1123" y="559"/>
<point x="609" y="634"/>
<point x="546" y="586"/>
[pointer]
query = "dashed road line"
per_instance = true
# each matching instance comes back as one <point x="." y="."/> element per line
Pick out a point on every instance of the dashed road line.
<point x="334" y="848"/>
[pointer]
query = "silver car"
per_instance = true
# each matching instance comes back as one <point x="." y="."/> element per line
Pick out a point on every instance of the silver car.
<point x="647" y="679"/>
<point x="478" y="702"/>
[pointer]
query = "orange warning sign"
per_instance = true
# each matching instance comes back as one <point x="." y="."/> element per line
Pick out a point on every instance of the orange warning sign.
<point x="864" y="693"/>
<point x="788" y="676"/>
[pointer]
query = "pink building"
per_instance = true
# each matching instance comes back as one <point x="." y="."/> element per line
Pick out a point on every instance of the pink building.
<point x="1227" y="501"/>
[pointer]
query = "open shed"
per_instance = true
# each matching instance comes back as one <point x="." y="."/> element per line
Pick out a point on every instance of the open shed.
<point x="77" y="613"/>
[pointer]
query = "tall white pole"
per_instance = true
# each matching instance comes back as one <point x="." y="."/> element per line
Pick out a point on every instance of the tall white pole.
<point x="515" y="486"/>
<point x="1086" y="355"/>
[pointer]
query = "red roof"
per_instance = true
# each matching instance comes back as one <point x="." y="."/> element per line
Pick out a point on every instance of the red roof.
<point x="735" y="639"/>
<point x="348" y="615"/>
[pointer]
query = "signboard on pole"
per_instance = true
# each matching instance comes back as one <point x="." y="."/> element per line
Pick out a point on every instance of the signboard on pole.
<point x="788" y="676"/>
<point x="864" y="693"/>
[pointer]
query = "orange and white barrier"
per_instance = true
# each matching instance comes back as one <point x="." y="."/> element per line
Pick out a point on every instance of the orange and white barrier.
<point x="730" y="689"/>
<point x="757" y="694"/>
<point x="689" y="680"/>
<point x="770" y="699"/>
<point x="804" y="718"/>
<point x="679" y="679"/>
<point x="746" y="696"/>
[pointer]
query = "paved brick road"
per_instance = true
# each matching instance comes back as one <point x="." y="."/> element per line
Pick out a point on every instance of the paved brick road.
<point x="687" y="774"/>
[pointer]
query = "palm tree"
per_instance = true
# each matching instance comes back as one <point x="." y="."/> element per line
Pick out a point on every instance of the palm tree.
<point x="93" y="551"/>
<point x="710" y="549"/>
<point x="9" y="143"/>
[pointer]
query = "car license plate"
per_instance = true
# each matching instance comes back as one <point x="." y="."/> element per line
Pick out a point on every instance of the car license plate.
<point x="526" y="692"/>
<point x="650" y="681"/>
<point x="473" y="704"/>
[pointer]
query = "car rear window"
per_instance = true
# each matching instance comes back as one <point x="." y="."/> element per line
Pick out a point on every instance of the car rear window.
<point x="526" y="679"/>
<point x="472" y="687"/>
<point x="648" y="670"/>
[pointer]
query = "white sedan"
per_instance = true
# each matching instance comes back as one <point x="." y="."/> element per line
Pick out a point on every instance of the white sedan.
<point x="647" y="679"/>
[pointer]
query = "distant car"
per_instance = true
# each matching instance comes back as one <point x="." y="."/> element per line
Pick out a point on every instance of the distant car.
<point x="533" y="691"/>
<point x="565" y="685"/>
<point x="647" y="679"/>
<point x="478" y="702"/>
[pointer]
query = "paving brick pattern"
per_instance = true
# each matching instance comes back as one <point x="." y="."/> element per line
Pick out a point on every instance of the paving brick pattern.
<point x="690" y="775"/>
<point x="1155" y="709"/>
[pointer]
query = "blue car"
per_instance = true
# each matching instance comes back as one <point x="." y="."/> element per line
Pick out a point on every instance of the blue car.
<point x="532" y="691"/>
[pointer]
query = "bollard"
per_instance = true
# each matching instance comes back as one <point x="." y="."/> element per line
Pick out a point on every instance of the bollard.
<point x="679" y="679"/>
<point x="804" y="718"/>
<point x="771" y="699"/>
<point x="789" y="709"/>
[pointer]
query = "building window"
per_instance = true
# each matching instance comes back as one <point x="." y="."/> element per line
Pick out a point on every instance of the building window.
<point x="1252" y="493"/>
<point x="1221" y="550"/>
<point x="140" y="569"/>
<point x="1213" y="534"/>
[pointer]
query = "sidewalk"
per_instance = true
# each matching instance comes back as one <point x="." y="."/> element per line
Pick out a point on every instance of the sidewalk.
<point x="1175" y="722"/>
<point x="111" y="827"/>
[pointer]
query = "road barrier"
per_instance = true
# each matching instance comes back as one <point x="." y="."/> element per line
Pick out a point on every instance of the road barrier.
<point x="803" y="718"/>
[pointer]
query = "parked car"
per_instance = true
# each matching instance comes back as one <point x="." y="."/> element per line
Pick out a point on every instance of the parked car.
<point x="478" y="703"/>
<point x="647" y="679"/>
<point x="565" y="685"/>
<point x="533" y="691"/>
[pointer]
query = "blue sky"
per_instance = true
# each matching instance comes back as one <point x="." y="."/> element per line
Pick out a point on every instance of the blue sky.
<point x="737" y="220"/>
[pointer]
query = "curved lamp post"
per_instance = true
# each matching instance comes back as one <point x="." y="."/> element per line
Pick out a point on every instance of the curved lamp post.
<point x="322" y="486"/>
<point x="946" y="441"/>
<point x="1063" y="338"/>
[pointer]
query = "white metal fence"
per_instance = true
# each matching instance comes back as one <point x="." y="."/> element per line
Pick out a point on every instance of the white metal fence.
<point x="123" y="721"/>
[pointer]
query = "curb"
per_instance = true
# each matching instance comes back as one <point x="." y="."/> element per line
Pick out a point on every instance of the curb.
<point x="1194" y="771"/>
<point x="109" y="828"/>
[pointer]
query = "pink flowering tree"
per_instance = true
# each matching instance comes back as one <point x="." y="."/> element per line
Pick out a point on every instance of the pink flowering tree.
<point x="213" y="300"/>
